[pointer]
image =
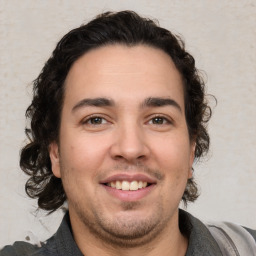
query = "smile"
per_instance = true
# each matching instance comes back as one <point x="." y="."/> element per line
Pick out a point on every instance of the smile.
<point x="126" y="185"/>
<point x="129" y="187"/>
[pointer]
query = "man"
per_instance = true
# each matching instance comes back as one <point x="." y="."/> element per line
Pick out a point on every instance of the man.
<point x="118" y="117"/>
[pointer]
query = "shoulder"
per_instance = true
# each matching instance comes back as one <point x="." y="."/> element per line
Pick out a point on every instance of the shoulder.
<point x="216" y="238"/>
<point x="61" y="243"/>
<point x="26" y="249"/>
<point x="18" y="248"/>
<point x="233" y="229"/>
<point x="232" y="237"/>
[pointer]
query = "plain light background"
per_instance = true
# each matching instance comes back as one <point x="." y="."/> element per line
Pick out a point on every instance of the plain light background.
<point x="220" y="34"/>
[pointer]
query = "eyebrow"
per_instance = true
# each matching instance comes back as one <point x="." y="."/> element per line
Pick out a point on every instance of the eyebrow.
<point x="160" y="102"/>
<point x="95" y="102"/>
<point x="148" y="102"/>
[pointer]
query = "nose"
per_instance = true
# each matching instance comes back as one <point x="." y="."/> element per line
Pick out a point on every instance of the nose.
<point x="129" y="144"/>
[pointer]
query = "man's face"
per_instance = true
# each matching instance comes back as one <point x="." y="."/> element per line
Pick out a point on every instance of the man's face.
<point x="124" y="154"/>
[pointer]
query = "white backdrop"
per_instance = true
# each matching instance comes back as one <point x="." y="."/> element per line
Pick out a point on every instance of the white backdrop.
<point x="220" y="34"/>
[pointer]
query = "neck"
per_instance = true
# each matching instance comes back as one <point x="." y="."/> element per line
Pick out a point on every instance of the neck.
<point x="170" y="242"/>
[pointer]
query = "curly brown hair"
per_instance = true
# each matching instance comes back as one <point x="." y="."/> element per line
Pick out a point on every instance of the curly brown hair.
<point x="126" y="28"/>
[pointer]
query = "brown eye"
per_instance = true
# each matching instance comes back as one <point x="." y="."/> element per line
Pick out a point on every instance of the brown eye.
<point x="96" y="121"/>
<point x="158" y="120"/>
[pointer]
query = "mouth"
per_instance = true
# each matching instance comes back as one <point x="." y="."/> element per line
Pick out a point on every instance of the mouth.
<point x="128" y="185"/>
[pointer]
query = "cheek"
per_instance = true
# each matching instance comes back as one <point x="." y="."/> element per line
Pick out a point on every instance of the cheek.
<point x="173" y="158"/>
<point x="172" y="151"/>
<point x="84" y="153"/>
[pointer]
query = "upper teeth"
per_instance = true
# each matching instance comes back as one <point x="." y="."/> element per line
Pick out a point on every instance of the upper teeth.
<point x="126" y="185"/>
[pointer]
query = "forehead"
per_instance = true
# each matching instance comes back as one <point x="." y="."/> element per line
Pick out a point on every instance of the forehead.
<point x="122" y="72"/>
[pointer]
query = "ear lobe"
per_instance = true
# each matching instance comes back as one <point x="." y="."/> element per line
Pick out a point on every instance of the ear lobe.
<point x="55" y="159"/>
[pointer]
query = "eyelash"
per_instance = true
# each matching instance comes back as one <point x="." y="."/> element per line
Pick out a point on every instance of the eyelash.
<point x="90" y="118"/>
<point x="165" y="120"/>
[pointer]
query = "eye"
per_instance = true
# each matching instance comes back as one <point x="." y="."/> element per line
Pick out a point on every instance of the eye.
<point x="159" y="120"/>
<point x="95" y="120"/>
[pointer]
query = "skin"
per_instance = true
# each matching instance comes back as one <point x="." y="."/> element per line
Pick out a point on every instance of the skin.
<point x="127" y="137"/>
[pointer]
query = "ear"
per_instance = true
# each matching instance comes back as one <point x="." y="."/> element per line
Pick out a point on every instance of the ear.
<point x="55" y="159"/>
<point x="191" y="160"/>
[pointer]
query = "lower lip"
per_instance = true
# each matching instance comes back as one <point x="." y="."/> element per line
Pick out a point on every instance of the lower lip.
<point x="128" y="195"/>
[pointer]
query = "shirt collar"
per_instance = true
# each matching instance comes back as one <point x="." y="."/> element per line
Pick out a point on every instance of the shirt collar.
<point x="201" y="242"/>
<point x="65" y="243"/>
